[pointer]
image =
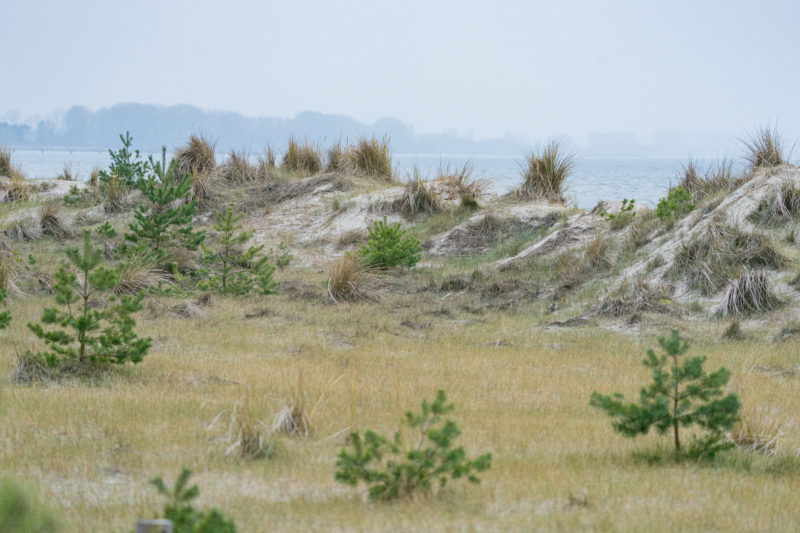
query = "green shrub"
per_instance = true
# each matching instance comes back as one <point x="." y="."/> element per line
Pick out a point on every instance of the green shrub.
<point x="126" y="165"/>
<point x="22" y="512"/>
<point x="681" y="395"/>
<point x="393" y="472"/>
<point x="185" y="518"/>
<point x="237" y="272"/>
<point x="389" y="246"/>
<point x="5" y="316"/>
<point x="85" y="331"/>
<point x="677" y="204"/>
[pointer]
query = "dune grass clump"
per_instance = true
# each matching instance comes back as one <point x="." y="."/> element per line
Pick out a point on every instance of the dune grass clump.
<point x="294" y="419"/>
<point x="722" y="252"/>
<point x="371" y="156"/>
<point x="303" y="158"/>
<point x="8" y="169"/>
<point x="347" y="279"/>
<point x="462" y="178"/>
<point x="545" y="173"/>
<point x="417" y="199"/>
<point x="336" y="160"/>
<point x="50" y="220"/>
<point x="10" y="270"/>
<point x="67" y="174"/>
<point x="748" y="294"/>
<point x="718" y="178"/>
<point x="26" y="229"/>
<point x="238" y="169"/>
<point x="639" y="297"/>
<point x="114" y="193"/>
<point x="758" y="431"/>
<point x="782" y="207"/>
<point x="197" y="155"/>
<point x="765" y="148"/>
<point x="140" y="271"/>
<point x="734" y="332"/>
<point x="245" y="436"/>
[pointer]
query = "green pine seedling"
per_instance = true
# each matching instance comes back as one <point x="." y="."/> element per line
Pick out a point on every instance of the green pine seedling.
<point x="162" y="223"/>
<point x="394" y="471"/>
<point x="677" y="204"/>
<point x="81" y="331"/>
<point x="126" y="165"/>
<point x="388" y="246"/>
<point x="185" y="518"/>
<point x="681" y="395"/>
<point x="5" y="316"/>
<point x="237" y="272"/>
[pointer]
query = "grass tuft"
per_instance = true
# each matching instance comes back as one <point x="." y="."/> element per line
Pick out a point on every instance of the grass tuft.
<point x="545" y="173"/>
<point x="749" y="293"/>
<point x="197" y="155"/>
<point x="336" y="158"/>
<point x="765" y="148"/>
<point x="417" y="199"/>
<point x="114" y="193"/>
<point x="371" y="156"/>
<point x="782" y="207"/>
<point x="246" y="436"/>
<point x="758" y="431"/>
<point x="50" y="220"/>
<point x="303" y="158"/>
<point x="140" y="272"/>
<point x="346" y="280"/>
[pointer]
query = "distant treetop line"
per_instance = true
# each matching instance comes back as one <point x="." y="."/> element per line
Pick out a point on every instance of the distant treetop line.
<point x="80" y="128"/>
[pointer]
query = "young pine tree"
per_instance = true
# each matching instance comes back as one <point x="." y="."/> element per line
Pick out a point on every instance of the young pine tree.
<point x="681" y="395"/>
<point x="162" y="223"/>
<point x="126" y="165"/>
<point x="81" y="331"/>
<point x="237" y="271"/>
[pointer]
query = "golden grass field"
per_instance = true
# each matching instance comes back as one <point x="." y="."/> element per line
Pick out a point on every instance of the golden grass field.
<point x="520" y="389"/>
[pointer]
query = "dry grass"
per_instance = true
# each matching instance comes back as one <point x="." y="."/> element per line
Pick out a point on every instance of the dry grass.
<point x="462" y="178"/>
<point x="336" y="160"/>
<point x="721" y="253"/>
<point x="719" y="178"/>
<point x="94" y="176"/>
<point x="196" y="156"/>
<point x="140" y="272"/>
<point x="68" y="174"/>
<point x="7" y="168"/>
<point x="759" y="431"/>
<point x="639" y="297"/>
<point x="596" y="252"/>
<point x="245" y="436"/>
<point x="545" y="173"/>
<point x="748" y="294"/>
<point x="10" y="270"/>
<point x="303" y="158"/>
<point x="781" y="208"/>
<point x="51" y="221"/>
<point x="347" y="280"/>
<point x="371" y="156"/>
<point x="238" y="169"/>
<point x="26" y="229"/>
<point x="114" y="193"/>
<point x="418" y="199"/>
<point x="765" y="148"/>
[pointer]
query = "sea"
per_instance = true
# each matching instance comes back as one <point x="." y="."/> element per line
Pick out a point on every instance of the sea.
<point x="645" y="180"/>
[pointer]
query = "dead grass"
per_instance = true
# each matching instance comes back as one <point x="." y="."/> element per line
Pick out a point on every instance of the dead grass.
<point x="68" y="173"/>
<point x="7" y="168"/>
<point x="51" y="220"/>
<point x="462" y="178"/>
<point x="765" y="148"/>
<point x="26" y="229"/>
<point x="717" y="180"/>
<point x="10" y="270"/>
<point x="347" y="280"/>
<point x="371" y="156"/>
<point x="781" y="208"/>
<point x="140" y="272"/>
<point x="748" y="294"/>
<point x="759" y="431"/>
<point x="244" y="435"/>
<point x="336" y="160"/>
<point x="639" y="297"/>
<point x="196" y="156"/>
<point x="418" y="199"/>
<point x="303" y="158"/>
<point x="721" y="253"/>
<point x="114" y="193"/>
<point x="545" y="173"/>
<point x="238" y="169"/>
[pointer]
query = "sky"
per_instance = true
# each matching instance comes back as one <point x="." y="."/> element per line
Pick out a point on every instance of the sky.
<point x="485" y="68"/>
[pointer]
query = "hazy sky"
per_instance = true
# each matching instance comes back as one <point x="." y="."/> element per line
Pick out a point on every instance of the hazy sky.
<point x="487" y="67"/>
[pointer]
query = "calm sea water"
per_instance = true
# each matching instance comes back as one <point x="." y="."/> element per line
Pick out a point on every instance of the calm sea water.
<point x="594" y="179"/>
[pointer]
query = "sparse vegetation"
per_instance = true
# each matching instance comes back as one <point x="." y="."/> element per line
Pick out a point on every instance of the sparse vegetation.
<point x="718" y="178"/>
<point x="545" y="173"/>
<point x="393" y="470"/>
<point x="748" y="294"/>
<point x="681" y="395"/>
<point x="781" y="208"/>
<point x="195" y="157"/>
<point x="623" y="216"/>
<point x="677" y="204"/>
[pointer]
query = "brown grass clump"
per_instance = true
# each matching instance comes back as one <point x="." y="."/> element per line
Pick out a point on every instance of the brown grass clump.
<point x="347" y="279"/>
<point x="734" y="332"/>
<point x="94" y="176"/>
<point x="781" y="208"/>
<point x="114" y="193"/>
<point x="9" y="271"/>
<point x="295" y="418"/>
<point x="372" y="157"/>
<point x="27" y="229"/>
<point x="721" y="253"/>
<point x="595" y="252"/>
<point x="139" y="272"/>
<point x="50" y="220"/>
<point x="765" y="148"/>
<point x="197" y="155"/>
<point x="301" y="158"/>
<point x="545" y="173"/>
<point x="417" y="199"/>
<point x="463" y="179"/>
<point x="7" y="169"/>
<point x="641" y="297"/>
<point x="758" y="431"/>
<point x="67" y="174"/>
<point x="719" y="178"/>
<point x="336" y="158"/>
<point x="246" y="436"/>
<point x="749" y="293"/>
<point x="237" y="169"/>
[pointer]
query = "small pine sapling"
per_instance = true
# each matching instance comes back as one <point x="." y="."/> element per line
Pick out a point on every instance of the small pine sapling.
<point x="237" y="271"/>
<point x="394" y="471"/>
<point x="677" y="204"/>
<point x="162" y="223"/>
<point x="681" y="395"/>
<point x="185" y="518"/>
<point x="126" y="165"/>
<point x="82" y="331"/>
<point x="388" y="246"/>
